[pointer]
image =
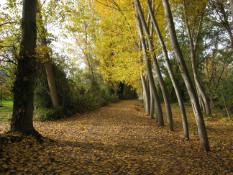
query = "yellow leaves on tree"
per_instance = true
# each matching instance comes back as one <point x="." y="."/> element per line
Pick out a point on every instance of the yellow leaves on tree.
<point x="117" y="45"/>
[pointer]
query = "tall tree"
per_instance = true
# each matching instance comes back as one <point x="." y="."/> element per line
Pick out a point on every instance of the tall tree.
<point x="186" y="77"/>
<point x="22" y="118"/>
<point x="157" y="68"/>
<point x="158" y="108"/>
<point x="47" y="61"/>
<point x="169" y="68"/>
<point x="193" y="31"/>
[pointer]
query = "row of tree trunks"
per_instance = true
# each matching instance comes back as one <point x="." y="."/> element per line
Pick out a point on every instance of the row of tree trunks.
<point x="186" y="77"/>
<point x="170" y="71"/>
<point x="157" y="68"/>
<point x="157" y="107"/>
<point x="152" y="109"/>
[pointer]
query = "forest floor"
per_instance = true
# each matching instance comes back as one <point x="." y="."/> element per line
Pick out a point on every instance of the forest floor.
<point x="119" y="139"/>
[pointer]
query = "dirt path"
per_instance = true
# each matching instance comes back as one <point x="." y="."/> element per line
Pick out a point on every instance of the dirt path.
<point x="118" y="139"/>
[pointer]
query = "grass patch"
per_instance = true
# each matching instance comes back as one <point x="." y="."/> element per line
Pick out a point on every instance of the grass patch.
<point x="6" y="110"/>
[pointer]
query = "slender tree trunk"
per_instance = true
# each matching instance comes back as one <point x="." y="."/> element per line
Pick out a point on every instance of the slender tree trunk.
<point x="152" y="104"/>
<point x="49" y="67"/>
<point x="157" y="69"/>
<point x="143" y="94"/>
<point x="226" y="108"/>
<point x="22" y="118"/>
<point x="87" y="53"/>
<point x="204" y="101"/>
<point x="186" y="77"/>
<point x="158" y="108"/>
<point x="170" y="71"/>
<point x="146" y="94"/>
<point x="52" y="84"/>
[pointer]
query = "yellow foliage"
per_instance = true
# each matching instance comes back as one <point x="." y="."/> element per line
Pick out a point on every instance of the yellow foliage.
<point x="117" y="45"/>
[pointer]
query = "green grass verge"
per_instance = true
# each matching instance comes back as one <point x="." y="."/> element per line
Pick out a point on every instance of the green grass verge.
<point x="6" y="110"/>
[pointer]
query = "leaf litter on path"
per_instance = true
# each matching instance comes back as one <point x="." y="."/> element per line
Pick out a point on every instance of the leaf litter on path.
<point x="119" y="139"/>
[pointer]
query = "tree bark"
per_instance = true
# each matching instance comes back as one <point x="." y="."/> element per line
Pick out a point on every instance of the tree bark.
<point x="49" y="67"/>
<point x="170" y="71"/>
<point x="158" y="108"/>
<point x="186" y="77"/>
<point x="22" y="118"/>
<point x="88" y="56"/>
<point x="146" y="94"/>
<point x="203" y="99"/>
<point x="52" y="84"/>
<point x="152" y="104"/>
<point x="157" y="69"/>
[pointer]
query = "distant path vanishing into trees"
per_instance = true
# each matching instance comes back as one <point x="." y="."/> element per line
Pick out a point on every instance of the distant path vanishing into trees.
<point x="119" y="139"/>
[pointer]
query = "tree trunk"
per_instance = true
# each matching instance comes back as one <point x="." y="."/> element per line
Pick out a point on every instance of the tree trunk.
<point x="170" y="71"/>
<point x="152" y="104"/>
<point x="146" y="99"/>
<point x="186" y="77"/>
<point x="157" y="69"/>
<point x="22" y="118"/>
<point x="143" y="94"/>
<point x="52" y="84"/>
<point x="49" y="67"/>
<point x="158" y="108"/>
<point x="88" y="56"/>
<point x="204" y="101"/>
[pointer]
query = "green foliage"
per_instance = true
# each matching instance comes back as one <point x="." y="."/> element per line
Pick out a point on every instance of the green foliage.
<point x="6" y="110"/>
<point x="223" y="95"/>
<point x="46" y="114"/>
<point x="77" y="93"/>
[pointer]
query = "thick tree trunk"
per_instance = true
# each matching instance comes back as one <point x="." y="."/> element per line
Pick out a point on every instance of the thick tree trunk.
<point x="186" y="77"/>
<point x="158" y="108"/>
<point x="170" y="71"/>
<point x="157" y="69"/>
<point x="22" y="118"/>
<point x="146" y="94"/>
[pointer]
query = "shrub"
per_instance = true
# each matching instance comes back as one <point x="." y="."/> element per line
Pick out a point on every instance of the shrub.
<point x="46" y="114"/>
<point x="77" y="94"/>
